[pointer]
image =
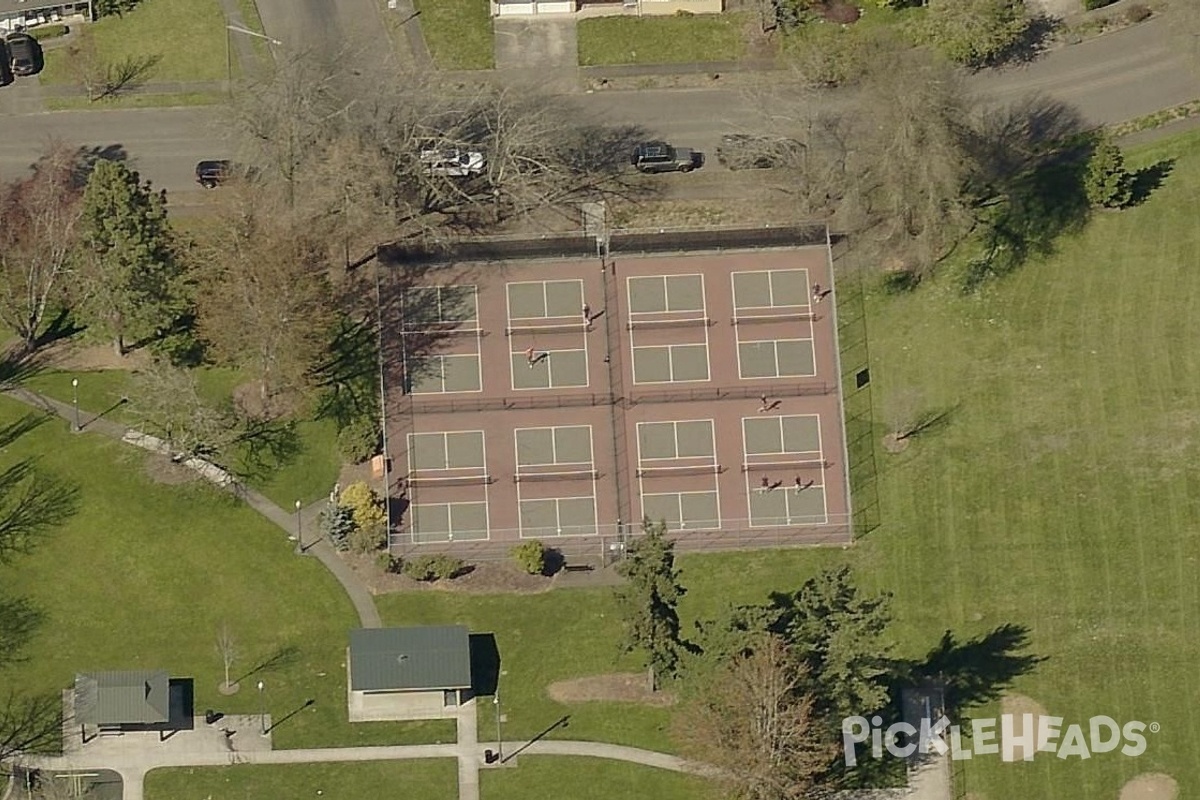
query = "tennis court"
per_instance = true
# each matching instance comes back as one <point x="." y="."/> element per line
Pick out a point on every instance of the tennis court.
<point x="659" y="294"/>
<point x="802" y="504"/>
<point x="770" y="289"/>
<point x="683" y="510"/>
<point x="537" y="300"/>
<point x="783" y="465"/>
<point x="440" y="373"/>
<point x="426" y="307"/>
<point x="778" y="435"/>
<point x="777" y="358"/>
<point x="555" y="481"/>
<point x="563" y="445"/>
<point x="449" y="522"/>
<point x="660" y="441"/>
<point x="534" y="368"/>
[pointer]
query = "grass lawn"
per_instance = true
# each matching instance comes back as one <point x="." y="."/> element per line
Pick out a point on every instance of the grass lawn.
<point x="661" y="40"/>
<point x="568" y="778"/>
<point x="427" y="779"/>
<point x="187" y="35"/>
<point x="155" y="100"/>
<point x="458" y="32"/>
<point x="308" y="477"/>
<point x="543" y="638"/>
<point x="145" y="574"/>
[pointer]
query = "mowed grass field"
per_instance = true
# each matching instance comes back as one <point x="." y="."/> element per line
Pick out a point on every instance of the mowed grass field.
<point x="145" y="575"/>
<point x="428" y="779"/>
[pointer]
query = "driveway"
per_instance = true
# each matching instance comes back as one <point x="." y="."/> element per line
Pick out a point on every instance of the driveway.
<point x="543" y="50"/>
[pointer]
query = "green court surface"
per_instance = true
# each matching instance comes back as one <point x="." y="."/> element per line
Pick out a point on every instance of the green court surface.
<point x="682" y="510"/>
<point x="787" y="505"/>
<point x="428" y="305"/>
<point x="566" y="444"/>
<point x="776" y="435"/>
<point x="675" y="439"/>
<point x="433" y="522"/>
<point x="558" y="516"/>
<point x="770" y="289"/>
<point x="550" y="369"/>
<point x="437" y="374"/>
<point x="542" y="299"/>
<point x="777" y="358"/>
<point x="656" y="294"/>
<point x="670" y="363"/>
<point x="446" y="450"/>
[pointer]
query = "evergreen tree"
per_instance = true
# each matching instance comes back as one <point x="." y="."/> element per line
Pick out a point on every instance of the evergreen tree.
<point x="1107" y="182"/>
<point x="649" y="602"/>
<point x="132" y="284"/>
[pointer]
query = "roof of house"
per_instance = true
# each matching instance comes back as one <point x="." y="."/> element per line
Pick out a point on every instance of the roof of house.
<point x="390" y="659"/>
<point x="122" y="698"/>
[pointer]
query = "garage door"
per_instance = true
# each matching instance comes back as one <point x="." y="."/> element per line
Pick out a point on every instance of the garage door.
<point x="509" y="9"/>
<point x="555" y="7"/>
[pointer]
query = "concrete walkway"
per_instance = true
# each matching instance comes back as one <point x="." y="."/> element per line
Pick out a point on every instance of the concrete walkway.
<point x="364" y="604"/>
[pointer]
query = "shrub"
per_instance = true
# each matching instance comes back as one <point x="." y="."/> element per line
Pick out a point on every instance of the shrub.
<point x="1137" y="13"/>
<point x="48" y="32"/>
<point x="337" y="523"/>
<point x="838" y="11"/>
<point x="1107" y="182"/>
<point x="976" y="33"/>
<point x="531" y="556"/>
<point x="364" y="504"/>
<point x="1092" y="5"/>
<point x="359" y="439"/>
<point x="368" y="538"/>
<point x="432" y="568"/>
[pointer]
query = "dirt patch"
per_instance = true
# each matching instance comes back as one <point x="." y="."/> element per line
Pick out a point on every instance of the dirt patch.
<point x="620" y="687"/>
<point x="1018" y="705"/>
<point x="498" y="578"/>
<point x="894" y="444"/>
<point x="1151" y="786"/>
<point x="162" y="469"/>
<point x="71" y="356"/>
<point x="248" y="398"/>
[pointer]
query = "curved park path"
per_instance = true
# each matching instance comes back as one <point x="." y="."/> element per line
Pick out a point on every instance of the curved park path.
<point x="364" y="604"/>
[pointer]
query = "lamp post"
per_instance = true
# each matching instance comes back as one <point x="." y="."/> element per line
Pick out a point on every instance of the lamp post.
<point x="262" y="710"/>
<point x="299" y="531"/>
<point x="229" y="50"/>
<point x="499" y="738"/>
<point x="75" y="426"/>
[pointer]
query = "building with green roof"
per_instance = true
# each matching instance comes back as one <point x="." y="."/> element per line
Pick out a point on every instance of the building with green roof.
<point x="408" y="673"/>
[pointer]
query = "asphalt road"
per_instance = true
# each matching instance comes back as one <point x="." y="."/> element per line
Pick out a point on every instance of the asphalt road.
<point x="1112" y="78"/>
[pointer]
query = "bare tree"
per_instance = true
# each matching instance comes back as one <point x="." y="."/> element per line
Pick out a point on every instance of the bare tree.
<point x="264" y="299"/>
<point x="38" y="239"/>
<point x="756" y="725"/>
<point x="167" y="403"/>
<point x="228" y="650"/>
<point x="29" y="723"/>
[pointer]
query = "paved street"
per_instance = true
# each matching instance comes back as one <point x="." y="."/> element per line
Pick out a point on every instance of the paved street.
<point x="1111" y="78"/>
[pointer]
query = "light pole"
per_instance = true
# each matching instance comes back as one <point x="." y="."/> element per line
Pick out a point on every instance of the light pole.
<point x="75" y="426"/>
<point x="229" y="50"/>
<point x="262" y="710"/>
<point x="299" y="531"/>
<point x="499" y="739"/>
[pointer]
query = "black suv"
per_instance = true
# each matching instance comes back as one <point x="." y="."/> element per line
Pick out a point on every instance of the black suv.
<point x="211" y="174"/>
<point x="748" y="151"/>
<point x="25" y="54"/>
<point x="662" y="157"/>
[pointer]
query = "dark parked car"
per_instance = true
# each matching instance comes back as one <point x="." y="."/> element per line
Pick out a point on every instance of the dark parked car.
<point x="211" y="174"/>
<point x="24" y="53"/>
<point x="748" y="151"/>
<point x="6" y="76"/>
<point x="662" y="157"/>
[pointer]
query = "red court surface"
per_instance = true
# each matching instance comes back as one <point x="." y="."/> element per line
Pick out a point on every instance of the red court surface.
<point x="569" y="399"/>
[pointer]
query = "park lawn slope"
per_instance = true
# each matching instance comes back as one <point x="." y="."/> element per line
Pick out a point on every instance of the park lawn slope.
<point x="145" y="574"/>
<point x="1062" y="494"/>
<point x="422" y="779"/>
<point x="661" y="40"/>
<point x="186" y="36"/>
<point x="571" y="778"/>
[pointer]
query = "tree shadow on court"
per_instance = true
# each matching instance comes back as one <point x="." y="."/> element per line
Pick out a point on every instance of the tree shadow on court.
<point x="1031" y="159"/>
<point x="972" y="671"/>
<point x="1147" y="180"/>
